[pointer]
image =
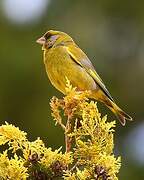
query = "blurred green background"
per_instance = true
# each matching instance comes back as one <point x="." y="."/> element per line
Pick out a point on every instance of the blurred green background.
<point x="110" y="32"/>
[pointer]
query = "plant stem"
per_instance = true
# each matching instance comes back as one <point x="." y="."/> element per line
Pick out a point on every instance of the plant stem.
<point x="68" y="140"/>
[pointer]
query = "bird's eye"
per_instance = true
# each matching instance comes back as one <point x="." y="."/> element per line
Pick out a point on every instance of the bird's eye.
<point x="47" y="35"/>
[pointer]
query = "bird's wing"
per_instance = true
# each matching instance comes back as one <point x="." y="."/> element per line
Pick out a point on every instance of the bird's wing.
<point x="82" y="60"/>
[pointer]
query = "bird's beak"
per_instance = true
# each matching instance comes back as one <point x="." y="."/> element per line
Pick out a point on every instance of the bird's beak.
<point x="41" y="40"/>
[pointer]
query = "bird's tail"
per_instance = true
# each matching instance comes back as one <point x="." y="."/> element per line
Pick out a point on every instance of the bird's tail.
<point x="120" y="114"/>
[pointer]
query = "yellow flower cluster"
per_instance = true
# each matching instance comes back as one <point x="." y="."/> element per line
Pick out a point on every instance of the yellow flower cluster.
<point x="89" y="145"/>
<point x="91" y="136"/>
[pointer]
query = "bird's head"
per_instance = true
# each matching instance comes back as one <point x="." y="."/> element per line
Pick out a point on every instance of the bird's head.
<point x="53" y="38"/>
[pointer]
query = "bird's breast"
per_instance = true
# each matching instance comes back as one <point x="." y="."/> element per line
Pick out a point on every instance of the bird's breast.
<point x="56" y="65"/>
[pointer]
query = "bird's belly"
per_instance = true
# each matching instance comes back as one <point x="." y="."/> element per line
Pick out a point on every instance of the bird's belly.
<point x="66" y="68"/>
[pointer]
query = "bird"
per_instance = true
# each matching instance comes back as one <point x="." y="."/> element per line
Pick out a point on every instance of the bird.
<point x="64" y="59"/>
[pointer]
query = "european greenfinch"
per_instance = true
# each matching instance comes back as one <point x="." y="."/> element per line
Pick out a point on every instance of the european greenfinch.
<point x="63" y="58"/>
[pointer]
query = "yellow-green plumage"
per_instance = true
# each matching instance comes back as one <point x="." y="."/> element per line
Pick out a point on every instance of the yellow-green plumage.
<point x="63" y="58"/>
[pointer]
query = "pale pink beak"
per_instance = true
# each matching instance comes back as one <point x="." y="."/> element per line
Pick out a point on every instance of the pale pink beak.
<point x="41" y="40"/>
